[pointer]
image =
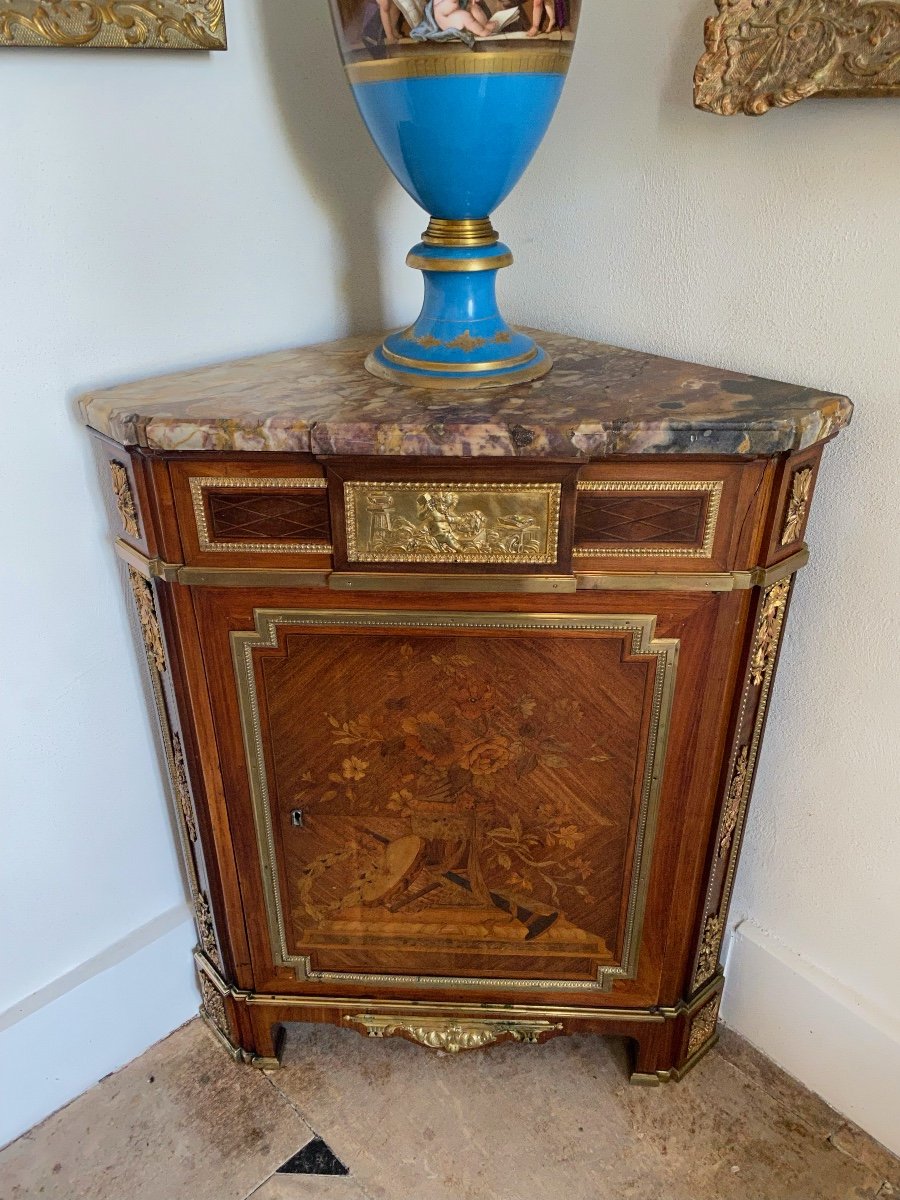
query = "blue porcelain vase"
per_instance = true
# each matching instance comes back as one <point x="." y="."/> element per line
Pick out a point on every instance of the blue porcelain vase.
<point x="457" y="95"/>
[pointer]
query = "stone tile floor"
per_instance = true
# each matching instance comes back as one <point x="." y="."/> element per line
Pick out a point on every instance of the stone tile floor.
<point x="347" y="1119"/>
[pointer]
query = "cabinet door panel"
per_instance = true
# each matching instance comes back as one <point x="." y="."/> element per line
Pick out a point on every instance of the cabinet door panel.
<point x="449" y="800"/>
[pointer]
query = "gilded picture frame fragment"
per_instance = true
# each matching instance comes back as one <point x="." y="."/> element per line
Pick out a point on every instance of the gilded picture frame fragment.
<point x="764" y="54"/>
<point x="114" y="24"/>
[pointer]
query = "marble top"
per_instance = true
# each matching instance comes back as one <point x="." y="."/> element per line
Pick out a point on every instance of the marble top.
<point x="598" y="400"/>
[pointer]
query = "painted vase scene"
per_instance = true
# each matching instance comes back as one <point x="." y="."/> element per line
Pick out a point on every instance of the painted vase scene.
<point x="457" y="95"/>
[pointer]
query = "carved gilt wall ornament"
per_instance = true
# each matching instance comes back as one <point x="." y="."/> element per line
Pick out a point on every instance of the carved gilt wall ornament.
<point x="146" y="611"/>
<point x="801" y="490"/>
<point x="763" y="54"/>
<point x="145" y="24"/>
<point x="768" y="634"/>
<point x="452" y="523"/>
<point x="454" y="1036"/>
<point x="703" y="1025"/>
<point x="124" y="498"/>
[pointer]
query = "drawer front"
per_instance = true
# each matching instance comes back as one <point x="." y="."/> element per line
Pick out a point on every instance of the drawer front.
<point x="439" y="518"/>
<point x="252" y="516"/>
<point x="443" y="519"/>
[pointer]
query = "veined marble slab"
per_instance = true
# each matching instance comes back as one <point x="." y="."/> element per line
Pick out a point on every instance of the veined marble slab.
<point x="599" y="400"/>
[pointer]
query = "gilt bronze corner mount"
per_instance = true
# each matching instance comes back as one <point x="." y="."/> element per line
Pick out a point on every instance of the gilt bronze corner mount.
<point x="763" y="54"/>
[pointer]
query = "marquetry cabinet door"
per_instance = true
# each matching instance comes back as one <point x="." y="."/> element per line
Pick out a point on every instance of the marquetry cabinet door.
<point x="483" y="799"/>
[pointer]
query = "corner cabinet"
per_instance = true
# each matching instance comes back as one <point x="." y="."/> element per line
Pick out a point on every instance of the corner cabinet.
<point x="461" y="744"/>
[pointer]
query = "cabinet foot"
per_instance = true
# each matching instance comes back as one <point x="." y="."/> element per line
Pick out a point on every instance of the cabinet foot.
<point x="249" y="1038"/>
<point x="666" y="1053"/>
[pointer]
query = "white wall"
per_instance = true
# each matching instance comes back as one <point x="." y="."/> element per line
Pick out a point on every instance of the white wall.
<point x="770" y="246"/>
<point x="156" y="210"/>
<point x="160" y="210"/>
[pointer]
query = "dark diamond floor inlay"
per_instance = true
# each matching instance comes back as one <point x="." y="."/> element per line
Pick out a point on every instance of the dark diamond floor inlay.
<point x="314" y="1159"/>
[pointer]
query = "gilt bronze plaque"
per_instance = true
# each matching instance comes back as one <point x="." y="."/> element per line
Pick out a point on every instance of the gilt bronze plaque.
<point x="452" y="522"/>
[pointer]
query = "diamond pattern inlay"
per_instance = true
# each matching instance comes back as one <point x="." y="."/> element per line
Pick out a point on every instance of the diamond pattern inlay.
<point x="639" y="520"/>
<point x="274" y="517"/>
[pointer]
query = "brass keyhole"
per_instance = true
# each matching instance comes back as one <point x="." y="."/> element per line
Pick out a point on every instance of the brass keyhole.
<point x="297" y="818"/>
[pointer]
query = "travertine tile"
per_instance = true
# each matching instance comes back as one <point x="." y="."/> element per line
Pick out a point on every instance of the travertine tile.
<point x="183" y="1122"/>
<point x="805" y="1105"/>
<point x="560" y="1120"/>
<point x="862" y="1148"/>
<point x="308" y="1187"/>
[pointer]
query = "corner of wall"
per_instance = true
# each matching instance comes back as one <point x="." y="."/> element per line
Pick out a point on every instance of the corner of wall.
<point x="94" y="1020"/>
<point x="831" y="1039"/>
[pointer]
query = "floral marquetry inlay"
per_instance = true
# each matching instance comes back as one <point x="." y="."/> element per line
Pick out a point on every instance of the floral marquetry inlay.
<point x="463" y="771"/>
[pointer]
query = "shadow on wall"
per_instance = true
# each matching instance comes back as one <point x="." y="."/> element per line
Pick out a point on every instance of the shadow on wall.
<point x="333" y="150"/>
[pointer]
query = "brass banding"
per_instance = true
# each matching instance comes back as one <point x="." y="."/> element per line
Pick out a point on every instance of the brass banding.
<point x="536" y="369"/>
<point x="465" y="231"/>
<point x="449" y="266"/>
<point x="459" y="368"/>
<point x="425" y="64"/>
<point x="657" y="581"/>
<point x="655" y="1014"/>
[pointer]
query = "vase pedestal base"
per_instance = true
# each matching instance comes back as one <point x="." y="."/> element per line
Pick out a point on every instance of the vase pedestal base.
<point x="460" y="340"/>
<point x="539" y="365"/>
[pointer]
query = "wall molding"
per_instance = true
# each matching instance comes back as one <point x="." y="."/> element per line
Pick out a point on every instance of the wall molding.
<point x="132" y="943"/>
<point x="836" y="1042"/>
<point x="64" y="1038"/>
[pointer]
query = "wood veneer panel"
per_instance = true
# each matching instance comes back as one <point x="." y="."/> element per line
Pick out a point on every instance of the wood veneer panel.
<point x="686" y="796"/>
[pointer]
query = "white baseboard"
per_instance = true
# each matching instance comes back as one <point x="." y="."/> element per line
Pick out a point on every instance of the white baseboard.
<point x="66" y="1037"/>
<point x="831" y="1039"/>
